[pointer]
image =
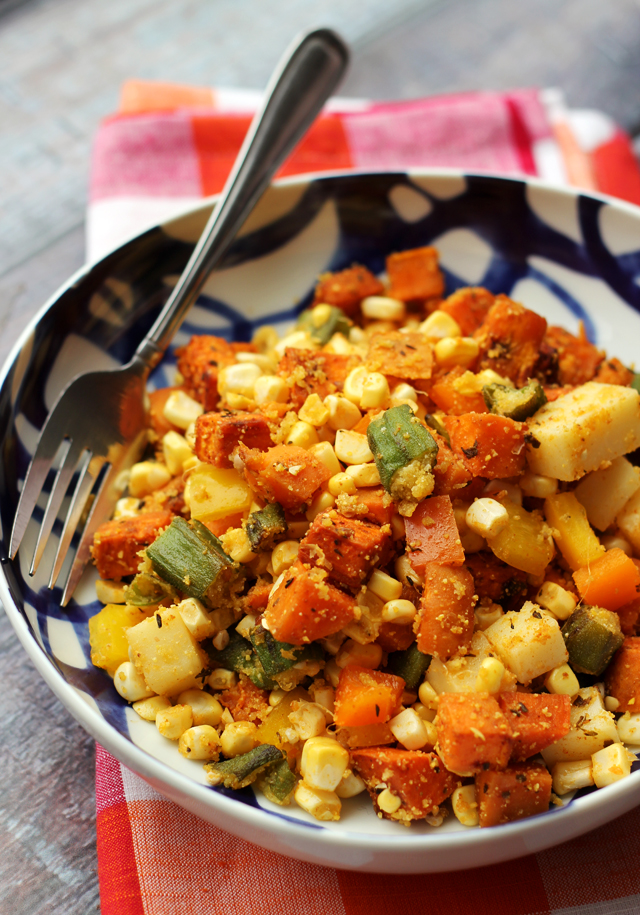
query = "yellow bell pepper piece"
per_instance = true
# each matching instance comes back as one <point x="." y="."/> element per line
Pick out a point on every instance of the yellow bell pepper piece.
<point x="214" y="492"/>
<point x="571" y="530"/>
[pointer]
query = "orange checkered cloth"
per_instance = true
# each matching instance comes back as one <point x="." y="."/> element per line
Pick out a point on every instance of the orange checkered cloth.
<point x="167" y="147"/>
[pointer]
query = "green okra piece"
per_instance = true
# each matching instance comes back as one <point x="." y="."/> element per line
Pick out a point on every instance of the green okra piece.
<point x="240" y="656"/>
<point x="242" y="770"/>
<point x="193" y="562"/>
<point x="434" y="423"/>
<point x="276" y="656"/>
<point x="410" y="664"/>
<point x="334" y="321"/>
<point x="278" y="782"/>
<point x="147" y="590"/>
<point x="514" y="403"/>
<point x="405" y="453"/>
<point x="592" y="636"/>
<point x="264" y="527"/>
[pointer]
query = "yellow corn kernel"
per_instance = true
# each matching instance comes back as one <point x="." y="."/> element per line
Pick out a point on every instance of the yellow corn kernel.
<point x="110" y="592"/>
<point x="406" y="573"/>
<point x="440" y="325"/>
<point x="297" y="339"/>
<point x="487" y="517"/>
<point x="616" y="542"/>
<point x="127" y="507"/>
<point x="239" y="737"/>
<point x="556" y="599"/>
<point x="570" y="776"/>
<point x="572" y="532"/>
<point x="265" y="362"/>
<point x="339" y="345"/>
<point x="512" y="491"/>
<point x="384" y="586"/>
<point x="270" y="389"/>
<point x="538" y="486"/>
<point x="364" y="475"/>
<point x="343" y="414"/>
<point x="196" y="618"/>
<point x="351" y="785"/>
<point x="487" y="614"/>
<point x="352" y="652"/>
<point x="321" y="503"/>
<point x="303" y="435"/>
<point x="490" y="676"/>
<point x="314" y="411"/>
<point x="173" y="722"/>
<point x="284" y="556"/>
<point x="610" y="765"/>
<point x="237" y="545"/>
<point x="452" y="351"/>
<point x="324" y="452"/>
<point x="400" y="611"/>
<point x="427" y="714"/>
<point x="628" y="727"/>
<point x="323" y="805"/>
<point x="205" y="708"/>
<point x="216" y="492"/>
<point x="612" y="704"/>
<point x="181" y="410"/>
<point x="409" y="729"/>
<point x="323" y="763"/>
<point x="175" y="450"/>
<point x="382" y="308"/>
<point x="200" y="742"/>
<point x="323" y="695"/>
<point x="265" y="338"/>
<point x="238" y="379"/>
<point x="342" y="483"/>
<point x="276" y="696"/>
<point x="246" y="625"/>
<point x="146" y="477"/>
<point x="352" y="447"/>
<point x="354" y="384"/>
<point x="562" y="681"/>
<point x="428" y="696"/>
<point x="388" y="802"/>
<point x="308" y="720"/>
<point x="402" y="393"/>
<point x="149" y="708"/>
<point x="375" y="391"/>
<point x="221" y="678"/>
<point x="465" y="805"/>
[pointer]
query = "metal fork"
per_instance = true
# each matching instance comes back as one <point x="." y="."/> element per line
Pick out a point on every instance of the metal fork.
<point x="96" y="429"/>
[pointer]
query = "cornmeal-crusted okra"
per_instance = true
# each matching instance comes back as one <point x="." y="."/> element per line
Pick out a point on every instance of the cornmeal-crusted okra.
<point x="514" y="403"/>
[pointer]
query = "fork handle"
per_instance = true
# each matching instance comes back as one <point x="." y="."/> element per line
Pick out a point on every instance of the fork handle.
<point x="306" y="76"/>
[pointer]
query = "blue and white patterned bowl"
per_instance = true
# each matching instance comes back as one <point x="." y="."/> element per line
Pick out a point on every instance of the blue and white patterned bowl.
<point x="572" y="257"/>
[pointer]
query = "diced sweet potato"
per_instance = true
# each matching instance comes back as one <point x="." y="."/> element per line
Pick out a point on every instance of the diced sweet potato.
<point x="199" y="363"/>
<point x="308" y="372"/>
<point x="521" y="790"/>
<point x="372" y="503"/>
<point x="407" y="356"/>
<point x="432" y="534"/>
<point x="491" y="446"/>
<point x="444" y="625"/>
<point x="452" y="398"/>
<point x="306" y="607"/>
<point x="347" y="288"/>
<point x="395" y="636"/>
<point x="622" y="678"/>
<point x="418" y="779"/>
<point x="219" y="434"/>
<point x="366" y="696"/>
<point x="285" y="474"/>
<point x="629" y="615"/>
<point x="611" y="581"/>
<point x="612" y="371"/>
<point x="537" y="720"/>
<point x="220" y="526"/>
<point x="157" y="401"/>
<point x="257" y="597"/>
<point x="347" y="548"/>
<point x="366" y="735"/>
<point x="468" y="307"/>
<point x="451" y="472"/>
<point x="509" y="340"/>
<point x="473" y="733"/>
<point x="245" y="701"/>
<point x="415" y="274"/>
<point x="117" y="543"/>
<point x="494" y="579"/>
<point x="578" y="360"/>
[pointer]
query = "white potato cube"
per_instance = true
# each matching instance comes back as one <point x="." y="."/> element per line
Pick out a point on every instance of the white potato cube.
<point x="592" y="726"/>
<point x="460" y="675"/>
<point x="529" y="643"/>
<point x="166" y="653"/>
<point x="628" y="520"/>
<point x="605" y="492"/>
<point x="580" y="431"/>
<point x="628" y="729"/>
<point x="610" y="764"/>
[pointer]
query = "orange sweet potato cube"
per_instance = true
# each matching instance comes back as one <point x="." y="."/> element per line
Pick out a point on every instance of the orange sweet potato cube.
<point x="509" y="340"/>
<point x="347" y="288"/>
<point x="432" y="534"/>
<point x="349" y="549"/>
<point x="537" y="720"/>
<point x="491" y="446"/>
<point x="418" y="779"/>
<point x="285" y="474"/>
<point x="450" y="399"/>
<point x="366" y="696"/>
<point x="578" y="359"/>
<point x="444" y="625"/>
<point x="415" y="274"/>
<point x="116" y="544"/>
<point x="521" y="790"/>
<point x="306" y="606"/>
<point x="219" y="434"/>
<point x="199" y="363"/>
<point x="308" y="372"/>
<point x="473" y="733"/>
<point x="622" y="678"/>
<point x="408" y="356"/>
<point x="468" y="307"/>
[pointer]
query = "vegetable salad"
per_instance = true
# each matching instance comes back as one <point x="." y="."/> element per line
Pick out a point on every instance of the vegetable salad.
<point x="393" y="552"/>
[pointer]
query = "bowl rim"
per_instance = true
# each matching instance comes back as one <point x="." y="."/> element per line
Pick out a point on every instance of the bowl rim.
<point x="158" y="773"/>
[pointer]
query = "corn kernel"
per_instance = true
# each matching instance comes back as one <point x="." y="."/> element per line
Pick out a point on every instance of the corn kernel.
<point x="324" y="452"/>
<point x="339" y="345"/>
<point x="270" y="389"/>
<point x="562" y="681"/>
<point x="127" y="507"/>
<point x="409" y="729"/>
<point x="406" y="573"/>
<point x="321" y="503"/>
<point x="610" y="765"/>
<point x="628" y="728"/>
<point x="110" y="592"/>
<point x="276" y="696"/>
<point x="351" y="785"/>
<point x="239" y="737"/>
<point x="146" y="477"/>
<point x="487" y="517"/>
<point x="402" y="393"/>
<point x="200" y="742"/>
<point x="237" y="545"/>
<point x="440" y="325"/>
<point x="611" y="703"/>
<point x="323" y="763"/>
<point x="343" y="414"/>
<point x="486" y="614"/>
<point x="175" y="450"/>
<point x="452" y="351"/>
<point x="323" y="805"/>
<point x="342" y="483"/>
<point x="222" y="679"/>
<point x="297" y="339"/>
<point x="332" y="672"/>
<point x="265" y="338"/>
<point x="221" y="640"/>
<point x="262" y="360"/>
<point x="352" y="652"/>
<point x="400" y="611"/>
<point x="238" y="379"/>
<point x="364" y="475"/>
<point x="616" y="542"/>
<point x="388" y="802"/>
<point x="538" y="486"/>
<point x="375" y="391"/>
<point x="196" y="618"/>
<point x="427" y="714"/>
<point x="314" y="411"/>
<point x="309" y="721"/>
<point x="352" y="447"/>
<point x="323" y="694"/>
<point x="428" y="696"/>
<point x="173" y="722"/>
<point x="354" y="384"/>
<point x="512" y="491"/>
<point x="465" y="805"/>
<point x="490" y="676"/>
<point x="382" y="308"/>
<point x="570" y="776"/>
<point x="384" y="586"/>
<point x="149" y="708"/>
<point x="130" y="684"/>
<point x="246" y="626"/>
<point x="556" y="599"/>
<point x="205" y="708"/>
<point x="181" y="410"/>
<point x="284" y="556"/>
<point x="303" y="435"/>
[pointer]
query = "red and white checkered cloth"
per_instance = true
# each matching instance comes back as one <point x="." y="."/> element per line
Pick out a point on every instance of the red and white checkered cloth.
<point x="167" y="147"/>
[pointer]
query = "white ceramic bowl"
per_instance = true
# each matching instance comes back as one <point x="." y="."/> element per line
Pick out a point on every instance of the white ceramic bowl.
<point x="569" y="256"/>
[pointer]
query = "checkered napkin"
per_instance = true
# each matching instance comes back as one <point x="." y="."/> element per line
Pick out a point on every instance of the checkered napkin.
<point x="167" y="147"/>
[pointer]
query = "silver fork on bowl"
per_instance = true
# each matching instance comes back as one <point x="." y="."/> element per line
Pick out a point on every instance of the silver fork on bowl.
<point x="96" y="429"/>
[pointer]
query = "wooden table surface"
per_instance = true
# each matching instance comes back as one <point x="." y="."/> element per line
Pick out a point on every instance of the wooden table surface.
<point x="61" y="65"/>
